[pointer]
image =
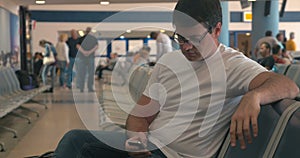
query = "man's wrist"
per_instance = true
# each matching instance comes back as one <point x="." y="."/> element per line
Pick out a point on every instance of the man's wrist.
<point x="254" y="95"/>
<point x="131" y="134"/>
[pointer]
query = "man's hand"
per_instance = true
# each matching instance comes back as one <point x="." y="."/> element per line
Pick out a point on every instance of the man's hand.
<point x="246" y="114"/>
<point x="138" y="150"/>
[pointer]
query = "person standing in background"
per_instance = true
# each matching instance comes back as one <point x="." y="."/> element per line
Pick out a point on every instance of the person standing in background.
<point x="62" y="50"/>
<point x="87" y="46"/>
<point x="49" y="51"/>
<point x="72" y="42"/>
<point x="291" y="44"/>
<point x="163" y="43"/>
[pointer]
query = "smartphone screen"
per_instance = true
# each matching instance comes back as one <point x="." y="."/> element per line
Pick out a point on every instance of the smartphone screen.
<point x="138" y="144"/>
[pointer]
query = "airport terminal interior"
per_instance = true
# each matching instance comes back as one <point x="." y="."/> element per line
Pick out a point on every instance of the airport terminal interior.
<point x="83" y="64"/>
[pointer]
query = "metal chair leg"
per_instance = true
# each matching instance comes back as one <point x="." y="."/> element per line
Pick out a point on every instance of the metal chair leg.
<point x="22" y="116"/>
<point x="2" y="148"/>
<point x="37" y="102"/>
<point x="30" y="110"/>
<point x="10" y="130"/>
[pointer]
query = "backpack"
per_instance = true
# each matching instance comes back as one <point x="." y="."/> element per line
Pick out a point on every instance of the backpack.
<point x="27" y="81"/>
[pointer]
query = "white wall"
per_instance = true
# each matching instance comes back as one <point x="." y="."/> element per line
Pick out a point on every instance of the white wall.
<point x="111" y="7"/>
<point x="6" y="7"/>
<point x="49" y="30"/>
<point x="10" y="6"/>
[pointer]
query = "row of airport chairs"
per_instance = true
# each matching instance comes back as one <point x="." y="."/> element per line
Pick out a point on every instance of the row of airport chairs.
<point x="13" y="97"/>
<point x="291" y="71"/>
<point x="279" y="127"/>
<point x="119" y="98"/>
<point x="279" y="123"/>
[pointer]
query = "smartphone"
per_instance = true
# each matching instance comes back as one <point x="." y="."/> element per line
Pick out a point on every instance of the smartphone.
<point x="136" y="143"/>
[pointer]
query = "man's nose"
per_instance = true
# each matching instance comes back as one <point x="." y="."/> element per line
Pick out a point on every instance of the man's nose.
<point x="187" y="45"/>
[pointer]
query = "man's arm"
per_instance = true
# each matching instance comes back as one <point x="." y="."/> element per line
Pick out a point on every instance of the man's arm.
<point x="137" y="125"/>
<point x="142" y="115"/>
<point x="86" y="52"/>
<point x="265" y="88"/>
<point x="92" y="50"/>
<point x="271" y="87"/>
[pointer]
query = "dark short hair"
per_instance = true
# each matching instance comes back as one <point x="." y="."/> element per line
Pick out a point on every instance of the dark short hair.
<point x="276" y="48"/>
<point x="278" y="35"/>
<point x="153" y="34"/>
<point x="266" y="44"/>
<point x="42" y="42"/>
<point x="208" y="12"/>
<point x="268" y="33"/>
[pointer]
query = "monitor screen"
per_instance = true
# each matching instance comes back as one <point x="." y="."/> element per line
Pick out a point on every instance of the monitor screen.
<point x="245" y="4"/>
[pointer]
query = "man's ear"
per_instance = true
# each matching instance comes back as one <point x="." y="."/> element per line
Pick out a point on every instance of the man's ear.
<point x="217" y="30"/>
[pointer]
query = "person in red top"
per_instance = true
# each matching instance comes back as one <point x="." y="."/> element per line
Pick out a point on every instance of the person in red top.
<point x="277" y="55"/>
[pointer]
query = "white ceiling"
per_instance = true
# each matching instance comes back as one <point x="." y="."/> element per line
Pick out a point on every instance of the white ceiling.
<point x="32" y="2"/>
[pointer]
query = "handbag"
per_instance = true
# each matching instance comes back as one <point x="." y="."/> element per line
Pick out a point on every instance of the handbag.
<point x="49" y="60"/>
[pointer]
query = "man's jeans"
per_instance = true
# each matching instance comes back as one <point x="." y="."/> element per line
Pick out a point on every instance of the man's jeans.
<point x="83" y="144"/>
<point x="85" y="66"/>
<point x="70" y="72"/>
<point x="46" y="69"/>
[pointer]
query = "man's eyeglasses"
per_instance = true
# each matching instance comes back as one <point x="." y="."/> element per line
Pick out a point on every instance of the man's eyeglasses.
<point x="194" y="39"/>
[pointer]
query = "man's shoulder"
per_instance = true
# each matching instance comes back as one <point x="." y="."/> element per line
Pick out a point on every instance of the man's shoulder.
<point x="228" y="51"/>
<point x="70" y="39"/>
<point x="290" y="41"/>
<point x="231" y="56"/>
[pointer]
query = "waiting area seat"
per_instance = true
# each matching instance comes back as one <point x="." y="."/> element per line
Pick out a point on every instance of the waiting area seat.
<point x="119" y="99"/>
<point x="282" y="68"/>
<point x="12" y="97"/>
<point x="279" y="127"/>
<point x="291" y="71"/>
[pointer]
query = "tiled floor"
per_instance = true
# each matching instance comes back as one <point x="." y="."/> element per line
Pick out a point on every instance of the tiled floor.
<point x="67" y="109"/>
<point x="60" y="117"/>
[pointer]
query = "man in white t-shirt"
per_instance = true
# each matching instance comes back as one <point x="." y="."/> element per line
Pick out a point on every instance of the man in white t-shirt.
<point x="163" y="44"/>
<point x="193" y="97"/>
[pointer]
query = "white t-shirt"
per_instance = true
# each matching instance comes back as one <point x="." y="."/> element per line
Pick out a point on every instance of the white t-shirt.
<point x="163" y="45"/>
<point x="196" y="108"/>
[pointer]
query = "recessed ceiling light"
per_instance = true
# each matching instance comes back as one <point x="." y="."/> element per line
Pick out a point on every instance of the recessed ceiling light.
<point x="162" y="31"/>
<point x="128" y="31"/>
<point x="40" y="2"/>
<point x="81" y="33"/>
<point x="104" y="2"/>
<point x="175" y="36"/>
<point x="148" y="36"/>
<point x="122" y="37"/>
